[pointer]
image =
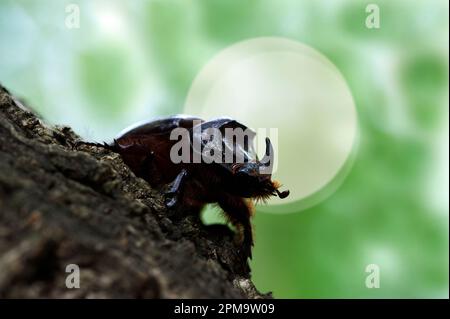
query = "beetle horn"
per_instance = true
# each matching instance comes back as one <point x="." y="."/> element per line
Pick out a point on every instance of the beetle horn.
<point x="267" y="160"/>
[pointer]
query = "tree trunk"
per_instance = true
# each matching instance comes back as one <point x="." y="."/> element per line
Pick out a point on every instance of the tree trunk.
<point x="63" y="204"/>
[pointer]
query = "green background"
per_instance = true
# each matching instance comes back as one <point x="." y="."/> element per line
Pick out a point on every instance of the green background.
<point x="132" y="60"/>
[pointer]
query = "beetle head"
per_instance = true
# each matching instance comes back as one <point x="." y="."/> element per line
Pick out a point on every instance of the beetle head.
<point x="254" y="178"/>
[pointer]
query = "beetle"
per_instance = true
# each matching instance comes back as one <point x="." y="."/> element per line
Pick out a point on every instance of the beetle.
<point x="148" y="149"/>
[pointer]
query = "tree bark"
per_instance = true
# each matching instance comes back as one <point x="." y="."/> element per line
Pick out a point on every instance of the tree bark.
<point x="63" y="204"/>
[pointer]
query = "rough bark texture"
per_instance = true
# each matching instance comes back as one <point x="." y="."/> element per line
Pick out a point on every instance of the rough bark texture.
<point x="63" y="204"/>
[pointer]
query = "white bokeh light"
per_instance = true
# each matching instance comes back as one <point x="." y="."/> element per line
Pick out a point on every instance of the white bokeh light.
<point x="110" y="20"/>
<point x="283" y="84"/>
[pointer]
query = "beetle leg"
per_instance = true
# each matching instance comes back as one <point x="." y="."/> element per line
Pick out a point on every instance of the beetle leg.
<point x="175" y="190"/>
<point x="104" y="145"/>
<point x="238" y="211"/>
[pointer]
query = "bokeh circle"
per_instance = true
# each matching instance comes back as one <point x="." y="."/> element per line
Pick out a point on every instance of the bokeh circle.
<point x="283" y="85"/>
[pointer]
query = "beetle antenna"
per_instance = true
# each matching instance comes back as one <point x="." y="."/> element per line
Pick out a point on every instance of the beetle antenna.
<point x="282" y="194"/>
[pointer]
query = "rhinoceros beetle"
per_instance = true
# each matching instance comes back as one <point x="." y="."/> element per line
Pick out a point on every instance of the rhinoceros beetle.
<point x="147" y="148"/>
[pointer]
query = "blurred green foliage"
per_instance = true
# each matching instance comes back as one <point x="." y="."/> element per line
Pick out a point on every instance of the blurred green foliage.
<point x="131" y="60"/>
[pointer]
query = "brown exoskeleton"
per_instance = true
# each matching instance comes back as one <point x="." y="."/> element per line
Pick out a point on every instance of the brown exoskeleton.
<point x="146" y="149"/>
